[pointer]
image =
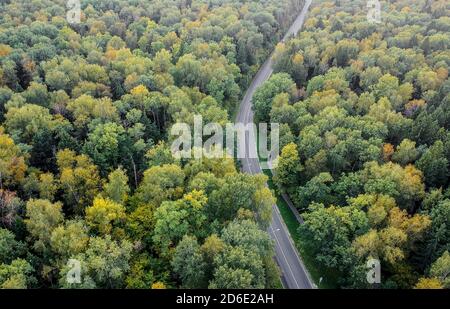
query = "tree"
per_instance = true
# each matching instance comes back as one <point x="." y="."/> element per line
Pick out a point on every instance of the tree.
<point x="437" y="242"/>
<point x="211" y="248"/>
<point x="246" y="234"/>
<point x="424" y="129"/>
<point x="332" y="230"/>
<point x="104" y="215"/>
<point x="287" y="172"/>
<point x="47" y="186"/>
<point x="388" y="87"/>
<point x="106" y="145"/>
<point x="403" y="184"/>
<point x="440" y="269"/>
<point x="262" y="99"/>
<point x="159" y="155"/>
<point x="117" y="188"/>
<point x="229" y="278"/>
<point x="370" y="77"/>
<point x="316" y="190"/>
<point x="140" y="224"/>
<point x="237" y="268"/>
<point x="178" y="218"/>
<point x="188" y="263"/>
<point x="282" y="111"/>
<point x="42" y="218"/>
<point x="10" y="209"/>
<point x="388" y="151"/>
<point x="378" y="207"/>
<point x="86" y="108"/>
<point x="236" y="192"/>
<point x="12" y="163"/>
<point x="346" y="50"/>
<point x="37" y="94"/>
<point x="141" y="275"/>
<point x="428" y="283"/>
<point x="161" y="183"/>
<point x="405" y="153"/>
<point x="10" y="248"/>
<point x="394" y="234"/>
<point x="434" y="165"/>
<point x="69" y="239"/>
<point x="158" y="286"/>
<point x="105" y="263"/>
<point x="348" y="186"/>
<point x="206" y="182"/>
<point x="28" y="120"/>
<point x="263" y="201"/>
<point x="79" y="179"/>
<point x="17" y="275"/>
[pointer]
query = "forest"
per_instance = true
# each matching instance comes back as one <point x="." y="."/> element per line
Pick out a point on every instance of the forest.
<point x="86" y="173"/>
<point x="365" y="128"/>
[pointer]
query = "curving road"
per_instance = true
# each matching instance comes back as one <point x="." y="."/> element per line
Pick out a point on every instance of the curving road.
<point x="294" y="273"/>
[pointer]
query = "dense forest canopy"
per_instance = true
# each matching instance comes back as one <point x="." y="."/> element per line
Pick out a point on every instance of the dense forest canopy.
<point x="365" y="114"/>
<point x="87" y="174"/>
<point x="85" y="168"/>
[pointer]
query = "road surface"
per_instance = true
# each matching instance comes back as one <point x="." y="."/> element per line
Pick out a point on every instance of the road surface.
<point x="294" y="273"/>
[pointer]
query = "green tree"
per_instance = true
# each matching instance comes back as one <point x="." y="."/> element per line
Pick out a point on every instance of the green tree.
<point x="117" y="188"/>
<point x="17" y="275"/>
<point x="437" y="242"/>
<point x="47" y="186"/>
<point x="248" y="235"/>
<point x="287" y="172"/>
<point x="434" y="165"/>
<point x="10" y="248"/>
<point x="262" y="99"/>
<point x="237" y="268"/>
<point x="106" y="146"/>
<point x="105" y="263"/>
<point x="159" y="155"/>
<point x="42" y="218"/>
<point x="440" y="269"/>
<point x="346" y="50"/>
<point x="404" y="184"/>
<point x="211" y="248"/>
<point x="176" y="219"/>
<point x="69" y="239"/>
<point x="318" y="190"/>
<point x="406" y="152"/>
<point x="141" y="275"/>
<point x="37" y="94"/>
<point x="332" y="230"/>
<point x="188" y="263"/>
<point x="12" y="163"/>
<point x="79" y="179"/>
<point x="26" y="121"/>
<point x="236" y="192"/>
<point x="161" y="183"/>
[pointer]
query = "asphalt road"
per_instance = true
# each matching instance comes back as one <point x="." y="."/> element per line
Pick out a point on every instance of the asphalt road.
<point x="294" y="273"/>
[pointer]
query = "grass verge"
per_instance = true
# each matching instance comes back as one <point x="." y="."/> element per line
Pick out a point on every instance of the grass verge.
<point x="329" y="276"/>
